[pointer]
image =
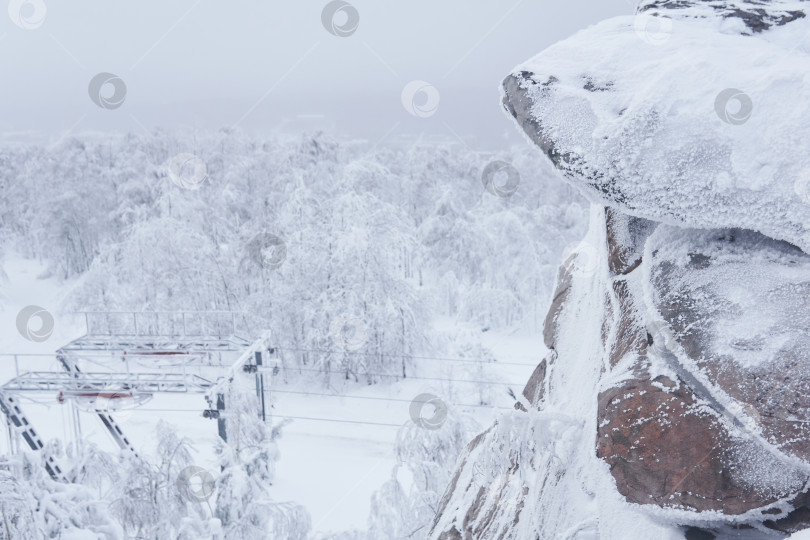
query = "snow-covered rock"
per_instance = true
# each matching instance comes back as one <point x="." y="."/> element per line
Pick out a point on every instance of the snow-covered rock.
<point x="754" y="14"/>
<point x="691" y="113"/>
<point x="643" y="421"/>
<point x="704" y="408"/>
<point x="675" y="397"/>
<point x="736" y="304"/>
<point x="535" y="473"/>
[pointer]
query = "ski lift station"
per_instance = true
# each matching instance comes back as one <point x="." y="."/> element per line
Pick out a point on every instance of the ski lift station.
<point x="125" y="364"/>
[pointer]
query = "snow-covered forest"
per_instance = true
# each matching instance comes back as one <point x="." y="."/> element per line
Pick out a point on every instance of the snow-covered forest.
<point x="383" y="238"/>
<point x="365" y="263"/>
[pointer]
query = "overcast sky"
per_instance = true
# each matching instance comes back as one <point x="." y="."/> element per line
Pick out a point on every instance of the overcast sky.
<point x="273" y="66"/>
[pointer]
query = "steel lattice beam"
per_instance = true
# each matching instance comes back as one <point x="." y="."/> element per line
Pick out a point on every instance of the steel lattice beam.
<point x="48" y="381"/>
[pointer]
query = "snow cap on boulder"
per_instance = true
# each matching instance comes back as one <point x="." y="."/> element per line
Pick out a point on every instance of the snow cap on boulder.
<point x="756" y="15"/>
<point x="692" y="113"/>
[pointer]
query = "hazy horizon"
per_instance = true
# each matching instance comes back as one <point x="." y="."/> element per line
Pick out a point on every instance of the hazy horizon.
<point x="275" y="68"/>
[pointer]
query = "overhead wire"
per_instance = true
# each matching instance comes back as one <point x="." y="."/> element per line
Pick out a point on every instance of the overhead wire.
<point x="411" y="377"/>
<point x="477" y="360"/>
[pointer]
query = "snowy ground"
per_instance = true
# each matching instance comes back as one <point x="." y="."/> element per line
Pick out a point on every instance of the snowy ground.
<point x="337" y="450"/>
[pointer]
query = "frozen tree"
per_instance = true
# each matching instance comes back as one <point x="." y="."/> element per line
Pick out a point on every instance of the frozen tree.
<point x="17" y="509"/>
<point x="247" y="460"/>
<point x="148" y="499"/>
<point x="405" y="505"/>
<point x="64" y="508"/>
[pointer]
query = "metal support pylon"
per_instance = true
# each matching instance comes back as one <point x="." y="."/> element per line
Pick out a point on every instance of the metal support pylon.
<point x="22" y="426"/>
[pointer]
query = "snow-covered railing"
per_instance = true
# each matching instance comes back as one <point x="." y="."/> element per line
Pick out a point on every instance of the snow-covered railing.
<point x="49" y="381"/>
<point x="25" y="361"/>
<point x="164" y="323"/>
<point x="179" y="337"/>
<point x="89" y="344"/>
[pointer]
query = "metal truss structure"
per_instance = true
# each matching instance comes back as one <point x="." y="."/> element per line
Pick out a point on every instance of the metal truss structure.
<point x="155" y="340"/>
<point x="48" y="381"/>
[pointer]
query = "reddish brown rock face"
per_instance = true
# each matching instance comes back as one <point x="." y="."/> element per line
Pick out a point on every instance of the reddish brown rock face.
<point x="535" y="389"/>
<point x="661" y="449"/>
<point x="672" y="442"/>
<point x="625" y="240"/>
<point x="707" y="288"/>
<point x="665" y="449"/>
<point x="561" y="293"/>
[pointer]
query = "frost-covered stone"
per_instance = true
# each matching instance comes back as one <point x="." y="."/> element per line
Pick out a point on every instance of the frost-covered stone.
<point x="757" y="15"/>
<point x="699" y="121"/>
<point x="736" y="304"/>
<point x="544" y="478"/>
<point x="643" y="369"/>
<point x="676" y="387"/>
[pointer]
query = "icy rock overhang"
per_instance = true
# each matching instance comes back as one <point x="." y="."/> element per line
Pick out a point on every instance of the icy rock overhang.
<point x="691" y="113"/>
